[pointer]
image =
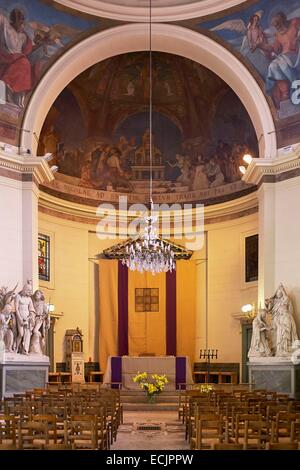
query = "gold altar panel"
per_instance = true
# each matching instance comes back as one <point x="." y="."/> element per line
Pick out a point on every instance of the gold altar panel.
<point x="108" y="279"/>
<point x="146" y="330"/>
<point x="186" y="308"/>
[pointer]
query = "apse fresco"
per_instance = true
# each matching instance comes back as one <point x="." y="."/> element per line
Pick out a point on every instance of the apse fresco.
<point x="98" y="133"/>
<point x="33" y="34"/>
<point x="266" y="34"/>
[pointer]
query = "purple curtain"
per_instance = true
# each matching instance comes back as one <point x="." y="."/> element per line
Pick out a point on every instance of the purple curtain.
<point x="171" y="313"/>
<point x="116" y="371"/>
<point x="180" y="372"/>
<point x="122" y="309"/>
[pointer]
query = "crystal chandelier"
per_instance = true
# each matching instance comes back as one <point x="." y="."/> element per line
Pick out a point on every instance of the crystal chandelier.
<point x="148" y="252"/>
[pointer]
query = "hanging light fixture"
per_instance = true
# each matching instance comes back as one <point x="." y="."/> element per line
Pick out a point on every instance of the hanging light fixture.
<point x="148" y="252"/>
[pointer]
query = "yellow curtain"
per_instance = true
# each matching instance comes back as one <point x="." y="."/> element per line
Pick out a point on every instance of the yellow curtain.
<point x="186" y="308"/>
<point x="108" y="295"/>
<point x="146" y="330"/>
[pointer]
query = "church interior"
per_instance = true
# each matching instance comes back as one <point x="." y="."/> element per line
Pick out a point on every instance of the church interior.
<point x="149" y="243"/>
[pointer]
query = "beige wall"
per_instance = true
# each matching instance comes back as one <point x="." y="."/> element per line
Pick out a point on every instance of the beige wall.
<point x="226" y="290"/>
<point x="68" y="287"/>
<point x="73" y="288"/>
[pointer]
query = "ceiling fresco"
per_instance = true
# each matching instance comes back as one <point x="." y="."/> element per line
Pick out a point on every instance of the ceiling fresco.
<point x="98" y="132"/>
<point x="33" y="34"/>
<point x="196" y="115"/>
<point x="266" y="35"/>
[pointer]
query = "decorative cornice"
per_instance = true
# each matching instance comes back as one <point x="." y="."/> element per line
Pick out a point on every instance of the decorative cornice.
<point x="26" y="168"/>
<point x="137" y="11"/>
<point x="79" y="213"/>
<point x="268" y="170"/>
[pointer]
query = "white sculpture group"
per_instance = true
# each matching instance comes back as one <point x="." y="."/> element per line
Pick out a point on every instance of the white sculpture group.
<point x="274" y="338"/>
<point x="24" y="320"/>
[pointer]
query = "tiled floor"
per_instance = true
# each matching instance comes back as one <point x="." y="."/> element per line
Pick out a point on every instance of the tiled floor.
<point x="169" y="436"/>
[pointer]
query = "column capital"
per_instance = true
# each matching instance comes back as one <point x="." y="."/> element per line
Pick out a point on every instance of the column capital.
<point x="265" y="170"/>
<point x="25" y="168"/>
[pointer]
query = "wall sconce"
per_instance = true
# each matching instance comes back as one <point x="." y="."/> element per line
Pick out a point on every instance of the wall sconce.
<point x="247" y="159"/>
<point x="249" y="310"/>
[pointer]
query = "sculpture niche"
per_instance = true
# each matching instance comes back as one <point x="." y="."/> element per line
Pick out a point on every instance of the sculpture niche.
<point x="277" y="338"/>
<point x="24" y="320"/>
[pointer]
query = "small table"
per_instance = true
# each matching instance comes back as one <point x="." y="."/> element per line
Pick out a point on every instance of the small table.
<point x="202" y="375"/>
<point x="232" y="377"/>
<point x="215" y="377"/>
<point x="94" y="374"/>
<point x="65" y="377"/>
<point x="53" y="377"/>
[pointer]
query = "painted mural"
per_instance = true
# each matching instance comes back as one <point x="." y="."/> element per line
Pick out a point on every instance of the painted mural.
<point x="32" y="34"/>
<point x="98" y="132"/>
<point x="266" y="34"/>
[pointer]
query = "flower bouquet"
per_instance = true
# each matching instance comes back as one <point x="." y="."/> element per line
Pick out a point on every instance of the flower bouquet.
<point x="205" y="388"/>
<point x="152" y="388"/>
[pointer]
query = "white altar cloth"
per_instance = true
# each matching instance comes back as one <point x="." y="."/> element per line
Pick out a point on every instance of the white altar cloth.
<point x="123" y="369"/>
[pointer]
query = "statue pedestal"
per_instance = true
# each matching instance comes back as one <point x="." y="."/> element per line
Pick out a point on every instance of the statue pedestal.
<point x="275" y="374"/>
<point x="19" y="373"/>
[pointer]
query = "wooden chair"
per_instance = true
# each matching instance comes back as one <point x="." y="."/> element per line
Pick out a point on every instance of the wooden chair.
<point x="57" y="447"/>
<point x="82" y="432"/>
<point x="227" y="446"/>
<point x="32" y="435"/>
<point x="8" y="447"/>
<point x="282" y="446"/>
<point x="50" y="420"/>
<point x="7" y="430"/>
<point x="209" y="430"/>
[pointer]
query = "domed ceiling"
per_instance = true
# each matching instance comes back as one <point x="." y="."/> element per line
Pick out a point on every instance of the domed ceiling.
<point x="98" y="133"/>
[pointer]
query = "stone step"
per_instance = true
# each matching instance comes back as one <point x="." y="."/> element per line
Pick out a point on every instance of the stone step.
<point x="150" y="406"/>
<point x="142" y="399"/>
<point x="141" y="392"/>
<point x="137" y="396"/>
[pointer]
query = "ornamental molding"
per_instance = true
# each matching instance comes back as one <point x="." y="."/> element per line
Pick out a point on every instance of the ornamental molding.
<point x="80" y="213"/>
<point x="173" y="10"/>
<point x="287" y="160"/>
<point x="35" y="166"/>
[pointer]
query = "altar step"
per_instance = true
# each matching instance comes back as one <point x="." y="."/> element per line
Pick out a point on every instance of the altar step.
<point x="136" y="401"/>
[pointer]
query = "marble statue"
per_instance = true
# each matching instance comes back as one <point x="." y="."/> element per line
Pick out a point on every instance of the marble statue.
<point x="25" y="318"/>
<point x="6" y="327"/>
<point x="7" y="318"/>
<point x="283" y="323"/>
<point x="276" y="337"/>
<point x="259" y="342"/>
<point x="41" y="323"/>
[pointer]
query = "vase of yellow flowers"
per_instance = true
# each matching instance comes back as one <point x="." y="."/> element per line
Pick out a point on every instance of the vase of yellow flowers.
<point x="152" y="388"/>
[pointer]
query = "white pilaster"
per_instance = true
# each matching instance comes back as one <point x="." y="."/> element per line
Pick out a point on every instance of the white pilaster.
<point x="19" y="191"/>
<point x="279" y="223"/>
<point x="266" y="253"/>
<point x="30" y="197"/>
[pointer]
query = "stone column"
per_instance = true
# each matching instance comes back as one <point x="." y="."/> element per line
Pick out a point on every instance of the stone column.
<point x="20" y="177"/>
<point x="278" y="182"/>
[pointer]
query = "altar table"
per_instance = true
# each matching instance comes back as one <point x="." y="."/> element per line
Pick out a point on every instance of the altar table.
<point x="122" y="369"/>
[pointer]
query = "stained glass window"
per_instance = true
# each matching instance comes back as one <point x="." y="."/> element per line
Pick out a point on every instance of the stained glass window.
<point x="251" y="261"/>
<point x="147" y="300"/>
<point x="44" y="257"/>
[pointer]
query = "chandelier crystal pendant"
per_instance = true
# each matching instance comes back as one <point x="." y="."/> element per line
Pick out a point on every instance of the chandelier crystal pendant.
<point x="148" y="252"/>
